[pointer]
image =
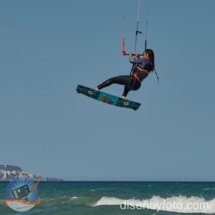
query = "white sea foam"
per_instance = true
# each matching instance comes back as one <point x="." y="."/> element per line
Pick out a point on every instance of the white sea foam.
<point x="209" y="188"/>
<point x="74" y="197"/>
<point x="180" y="204"/>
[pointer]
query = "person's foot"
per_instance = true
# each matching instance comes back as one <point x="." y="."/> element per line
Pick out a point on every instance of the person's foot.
<point x="123" y="97"/>
<point x="97" y="88"/>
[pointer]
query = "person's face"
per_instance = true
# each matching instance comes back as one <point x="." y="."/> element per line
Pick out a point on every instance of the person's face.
<point x="146" y="55"/>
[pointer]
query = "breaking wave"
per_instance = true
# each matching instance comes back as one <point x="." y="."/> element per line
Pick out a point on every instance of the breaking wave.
<point x="179" y="204"/>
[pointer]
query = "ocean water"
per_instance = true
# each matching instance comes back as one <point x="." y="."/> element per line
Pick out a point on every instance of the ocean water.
<point x="123" y="198"/>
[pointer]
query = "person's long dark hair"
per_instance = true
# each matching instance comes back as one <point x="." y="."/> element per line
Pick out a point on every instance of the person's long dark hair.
<point x="151" y="57"/>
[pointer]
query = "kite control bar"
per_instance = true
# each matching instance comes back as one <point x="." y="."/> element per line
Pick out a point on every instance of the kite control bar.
<point x="126" y="53"/>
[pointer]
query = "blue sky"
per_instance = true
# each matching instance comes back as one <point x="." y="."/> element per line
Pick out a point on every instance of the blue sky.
<point x="49" y="47"/>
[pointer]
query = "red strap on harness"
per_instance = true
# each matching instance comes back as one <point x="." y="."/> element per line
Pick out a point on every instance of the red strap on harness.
<point x="142" y="70"/>
<point x="136" y="77"/>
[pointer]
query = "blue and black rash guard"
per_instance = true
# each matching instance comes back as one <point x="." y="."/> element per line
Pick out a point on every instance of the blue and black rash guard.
<point x="142" y="67"/>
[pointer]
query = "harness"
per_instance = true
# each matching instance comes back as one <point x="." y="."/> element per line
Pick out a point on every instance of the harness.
<point x="141" y="70"/>
<point x="136" y="77"/>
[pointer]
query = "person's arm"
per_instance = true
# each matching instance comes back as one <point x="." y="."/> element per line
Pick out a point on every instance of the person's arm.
<point x="136" y="60"/>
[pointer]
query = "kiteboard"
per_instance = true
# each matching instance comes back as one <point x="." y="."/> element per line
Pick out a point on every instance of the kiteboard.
<point x="107" y="98"/>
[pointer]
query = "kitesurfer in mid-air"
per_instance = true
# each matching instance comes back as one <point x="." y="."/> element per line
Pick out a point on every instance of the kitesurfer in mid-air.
<point x="140" y="70"/>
